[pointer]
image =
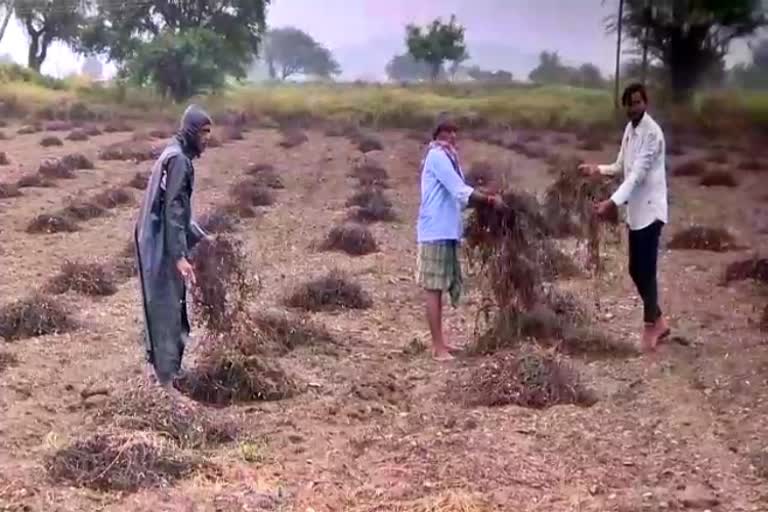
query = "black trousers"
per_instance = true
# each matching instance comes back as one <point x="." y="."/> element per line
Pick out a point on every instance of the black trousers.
<point x="643" y="258"/>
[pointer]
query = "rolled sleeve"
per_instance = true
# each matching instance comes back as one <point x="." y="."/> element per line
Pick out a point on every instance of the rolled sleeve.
<point x="442" y="167"/>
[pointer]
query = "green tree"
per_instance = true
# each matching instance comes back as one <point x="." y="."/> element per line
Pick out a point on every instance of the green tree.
<point x="288" y="51"/>
<point x="550" y="70"/>
<point x="47" y="21"/>
<point x="689" y="37"/>
<point x="437" y="43"/>
<point x="180" y="46"/>
<point x="499" y="76"/>
<point x="404" y="68"/>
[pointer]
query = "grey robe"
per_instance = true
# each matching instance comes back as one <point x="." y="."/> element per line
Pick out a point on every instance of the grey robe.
<point x="165" y="233"/>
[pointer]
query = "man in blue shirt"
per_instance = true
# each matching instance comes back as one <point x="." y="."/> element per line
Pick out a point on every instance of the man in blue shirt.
<point x="444" y="194"/>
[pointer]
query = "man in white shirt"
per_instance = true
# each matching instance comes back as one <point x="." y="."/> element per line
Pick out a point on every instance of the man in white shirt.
<point x="644" y="190"/>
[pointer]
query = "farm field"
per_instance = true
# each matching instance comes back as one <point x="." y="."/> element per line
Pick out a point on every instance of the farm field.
<point x="371" y="422"/>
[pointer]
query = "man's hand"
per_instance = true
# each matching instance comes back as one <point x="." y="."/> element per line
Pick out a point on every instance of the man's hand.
<point x="604" y="209"/>
<point x="497" y="202"/>
<point x="186" y="270"/>
<point x="589" y="169"/>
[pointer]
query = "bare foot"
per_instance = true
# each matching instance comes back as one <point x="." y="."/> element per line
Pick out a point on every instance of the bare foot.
<point x="662" y="329"/>
<point x="442" y="355"/>
<point x="650" y="338"/>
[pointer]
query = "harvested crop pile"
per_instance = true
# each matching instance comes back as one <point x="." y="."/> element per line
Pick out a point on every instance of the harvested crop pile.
<point x="86" y="278"/>
<point x="76" y="161"/>
<point x="330" y="292"/>
<point x="367" y="143"/>
<point x="229" y="372"/>
<point x="753" y="268"/>
<point x="118" y="461"/>
<point x="372" y="206"/>
<point x="58" y="126"/>
<point x="51" y="141"/>
<point x="250" y="194"/>
<point x="350" y="238"/>
<point x="92" y="131"/>
<point x="218" y="221"/>
<point x="130" y="150"/>
<point x="481" y="174"/>
<point x="690" y="168"/>
<point x="719" y="179"/>
<point x="139" y="181"/>
<point x="29" y="129"/>
<point x="52" y="223"/>
<point x="529" y="380"/>
<point x="84" y="210"/>
<point x="113" y="197"/>
<point x="264" y="175"/>
<point x="293" y="138"/>
<point x="753" y="165"/>
<point x="159" y="133"/>
<point x="36" y="316"/>
<point x="54" y="168"/>
<point x="590" y="143"/>
<point x="287" y="332"/>
<point x="369" y="174"/>
<point x="224" y="286"/>
<point x="9" y="190"/>
<point x="116" y="126"/>
<point x="527" y="150"/>
<point x="718" y="157"/>
<point x="703" y="238"/>
<point x="7" y="360"/>
<point x="230" y="132"/>
<point x="142" y="408"/>
<point x="78" y="134"/>
<point x="4" y="160"/>
<point x="34" y="180"/>
<point x="369" y="195"/>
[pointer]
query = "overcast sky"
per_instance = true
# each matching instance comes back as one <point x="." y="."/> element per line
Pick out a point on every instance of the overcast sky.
<point x="573" y="27"/>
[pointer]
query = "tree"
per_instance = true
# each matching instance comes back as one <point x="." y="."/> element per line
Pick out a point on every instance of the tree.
<point x="148" y="40"/>
<point x="436" y="43"/>
<point x="589" y="76"/>
<point x="456" y="64"/>
<point x="481" y="75"/>
<point x="293" y="51"/>
<point x="6" y="11"/>
<point x="93" y="67"/>
<point x="404" y="68"/>
<point x="550" y="70"/>
<point x="689" y="37"/>
<point x="753" y="75"/>
<point x="46" y="21"/>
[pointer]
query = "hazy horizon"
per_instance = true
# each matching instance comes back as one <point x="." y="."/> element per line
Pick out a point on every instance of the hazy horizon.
<point x="366" y="33"/>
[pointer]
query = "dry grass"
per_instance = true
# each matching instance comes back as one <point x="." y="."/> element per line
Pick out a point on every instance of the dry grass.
<point x="51" y="141"/>
<point x="119" y="461"/>
<point x="332" y="291"/>
<point x="288" y="332"/>
<point x="77" y="161"/>
<point x="366" y="143"/>
<point x="139" y="151"/>
<point x="690" y="168"/>
<point x="3" y="136"/>
<point x="117" y="125"/>
<point x="86" y="278"/>
<point x="529" y="380"/>
<point x="353" y="239"/>
<point x="9" y="190"/>
<point x="231" y="132"/>
<point x="481" y="174"/>
<point x="84" y="210"/>
<point x="719" y="178"/>
<point x="92" y="131"/>
<point x="264" y="175"/>
<point x="218" y="221"/>
<point x="55" y="169"/>
<point x="36" y="316"/>
<point x="703" y="238"/>
<point x="368" y="195"/>
<point x="139" y="181"/>
<point x="34" y="180"/>
<point x="113" y="198"/>
<point x="764" y="328"/>
<point x="452" y="501"/>
<point x="250" y="194"/>
<point x="52" y="223"/>
<point x="78" y="134"/>
<point x="29" y="129"/>
<point x="7" y="360"/>
<point x="590" y="143"/>
<point x="754" y="268"/>
<point x="369" y="174"/>
<point x="58" y="126"/>
<point x="142" y="408"/>
<point x="4" y="160"/>
<point x="293" y="138"/>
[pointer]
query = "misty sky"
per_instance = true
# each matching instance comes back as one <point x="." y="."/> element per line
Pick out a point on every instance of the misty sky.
<point x="574" y="28"/>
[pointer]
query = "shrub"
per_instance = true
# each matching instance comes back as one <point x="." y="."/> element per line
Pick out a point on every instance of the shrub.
<point x="367" y="143"/>
<point x="329" y="292"/>
<point x="86" y="278"/>
<point x="117" y="125"/>
<point x="55" y="168"/>
<point x="77" y="135"/>
<point x="139" y="151"/>
<point x="752" y="165"/>
<point x="51" y="141"/>
<point x="293" y="138"/>
<point x="218" y="221"/>
<point x="113" y="197"/>
<point x="51" y="223"/>
<point x="753" y="268"/>
<point x="288" y="332"/>
<point x="248" y="193"/>
<point x="350" y="238"/>
<point x="84" y="210"/>
<point x="480" y="174"/>
<point x="58" y="126"/>
<point x="368" y="195"/>
<point x="76" y="161"/>
<point x="36" y="316"/>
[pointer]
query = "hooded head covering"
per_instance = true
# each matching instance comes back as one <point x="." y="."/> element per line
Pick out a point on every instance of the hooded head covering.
<point x="192" y="121"/>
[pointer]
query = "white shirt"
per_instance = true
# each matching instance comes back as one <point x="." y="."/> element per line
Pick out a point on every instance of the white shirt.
<point x="642" y="161"/>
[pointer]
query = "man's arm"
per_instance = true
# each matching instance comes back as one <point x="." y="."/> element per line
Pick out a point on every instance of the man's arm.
<point x="445" y="173"/>
<point x="618" y="165"/>
<point x="648" y="152"/>
<point x="176" y="206"/>
<point x="195" y="234"/>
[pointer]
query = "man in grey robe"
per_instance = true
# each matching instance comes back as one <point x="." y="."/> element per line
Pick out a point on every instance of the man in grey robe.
<point x="164" y="236"/>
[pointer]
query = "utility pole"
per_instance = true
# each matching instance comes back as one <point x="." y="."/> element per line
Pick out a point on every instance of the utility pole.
<point x="620" y="22"/>
<point x="648" y="14"/>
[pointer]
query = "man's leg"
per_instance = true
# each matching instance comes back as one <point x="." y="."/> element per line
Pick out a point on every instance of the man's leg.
<point x="647" y="258"/>
<point x="637" y="262"/>
<point x="434" y="300"/>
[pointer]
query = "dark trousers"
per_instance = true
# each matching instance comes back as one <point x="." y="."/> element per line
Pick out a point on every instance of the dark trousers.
<point x="643" y="258"/>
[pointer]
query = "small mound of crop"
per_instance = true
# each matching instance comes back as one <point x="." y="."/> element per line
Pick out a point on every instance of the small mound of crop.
<point x="530" y="380"/>
<point x="36" y="316"/>
<point x="353" y="239"/>
<point x="34" y="180"/>
<point x="4" y="160"/>
<point x="218" y="221"/>
<point x="264" y="175"/>
<point x="9" y="190"/>
<point x="480" y="174"/>
<point x="139" y="151"/>
<point x="690" y="168"/>
<point x="753" y="268"/>
<point x="293" y="138"/>
<point x="7" y="360"/>
<point x="159" y="133"/>
<point x="703" y="238"/>
<point x="330" y="292"/>
<point x="366" y="143"/>
<point x="117" y="126"/>
<point x="58" y="126"/>
<point x="52" y="223"/>
<point x="226" y="374"/>
<point x="288" y="332"/>
<point x="86" y="278"/>
<point x="92" y="131"/>
<point x="113" y="197"/>
<point x="139" y="181"/>
<point x="248" y="193"/>
<point x="368" y="195"/>
<point x="718" y="178"/>
<point x="141" y="408"/>
<point x="230" y="132"/>
<point x="752" y="165"/>
<point x="28" y="130"/>
<point x="370" y="174"/>
<point x="54" y="168"/>
<point x="116" y="461"/>
<point x="84" y="210"/>
<point x="77" y="161"/>
<point x="77" y="134"/>
<point x="51" y="141"/>
<point x="718" y="157"/>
